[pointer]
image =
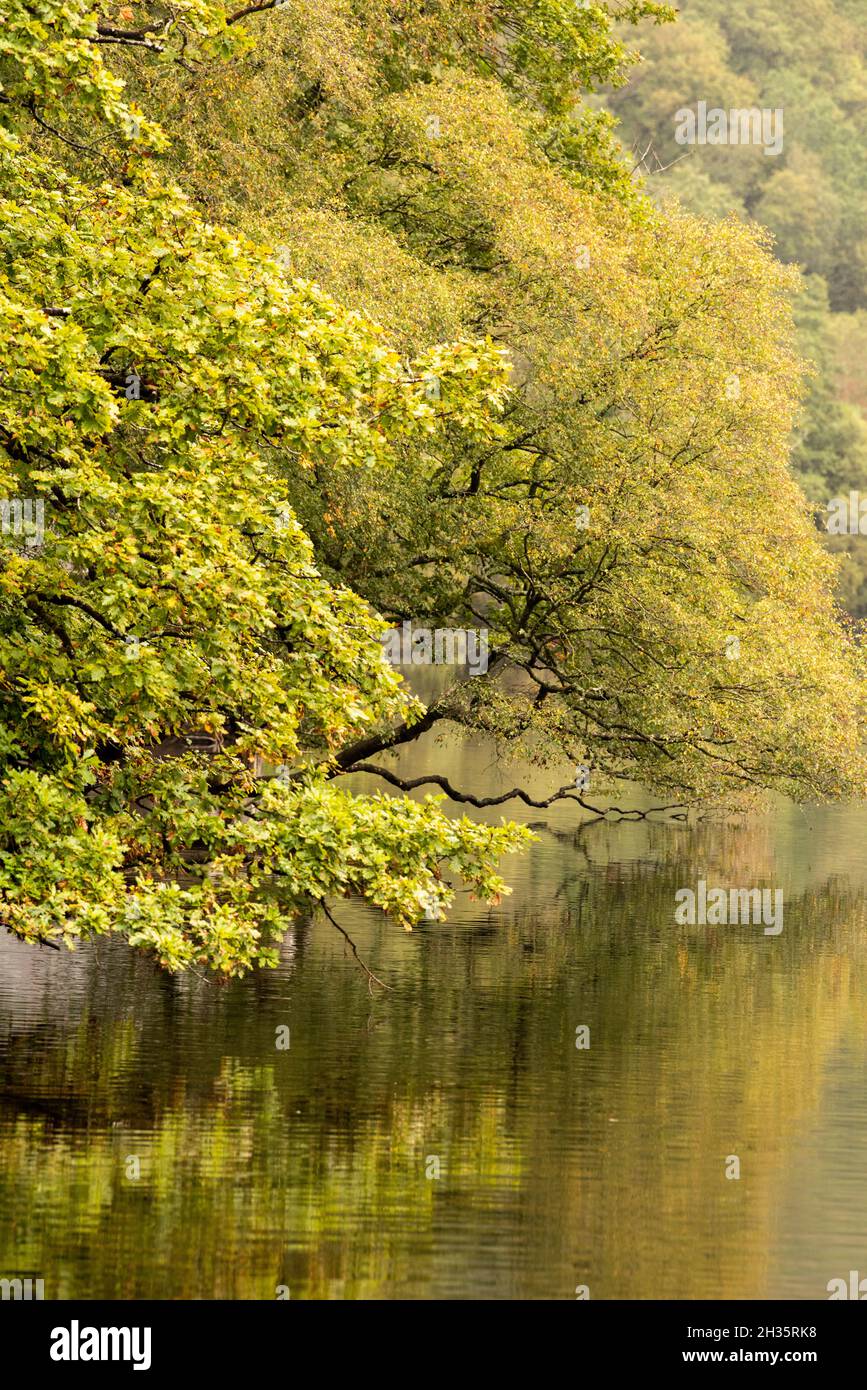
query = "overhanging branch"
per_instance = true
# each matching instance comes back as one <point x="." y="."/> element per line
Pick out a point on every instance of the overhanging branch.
<point x="567" y="793"/>
<point x="393" y="738"/>
<point x="371" y="978"/>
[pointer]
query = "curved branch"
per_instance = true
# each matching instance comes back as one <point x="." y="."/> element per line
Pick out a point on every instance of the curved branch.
<point x="378" y="743"/>
<point x="250" y="9"/>
<point x="371" y="978"/>
<point x="127" y="41"/>
<point x="144" y="38"/>
<point x="68" y="601"/>
<point x="435" y="779"/>
<point x="567" y="793"/>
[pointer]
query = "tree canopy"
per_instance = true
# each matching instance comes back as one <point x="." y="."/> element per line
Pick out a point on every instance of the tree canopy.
<point x="336" y="317"/>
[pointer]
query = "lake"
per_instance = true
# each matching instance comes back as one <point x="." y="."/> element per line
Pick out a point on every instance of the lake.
<point x="447" y="1138"/>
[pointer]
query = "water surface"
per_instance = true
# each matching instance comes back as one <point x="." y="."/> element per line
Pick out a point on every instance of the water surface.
<point x="312" y="1169"/>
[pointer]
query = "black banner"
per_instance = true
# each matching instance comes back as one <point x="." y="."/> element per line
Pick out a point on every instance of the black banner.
<point x="83" y="1339"/>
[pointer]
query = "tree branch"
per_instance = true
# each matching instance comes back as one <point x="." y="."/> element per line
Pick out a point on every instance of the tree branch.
<point x="378" y="743"/>
<point x="250" y="9"/>
<point x="371" y="978"/>
<point x="567" y="793"/>
<point x="67" y="601"/>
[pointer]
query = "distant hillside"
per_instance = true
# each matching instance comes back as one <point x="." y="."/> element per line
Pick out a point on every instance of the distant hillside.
<point x="810" y="61"/>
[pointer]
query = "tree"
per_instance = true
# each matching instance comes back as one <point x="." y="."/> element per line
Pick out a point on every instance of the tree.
<point x="156" y="587"/>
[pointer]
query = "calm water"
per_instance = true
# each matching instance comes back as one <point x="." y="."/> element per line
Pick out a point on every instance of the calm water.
<point x="308" y="1167"/>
